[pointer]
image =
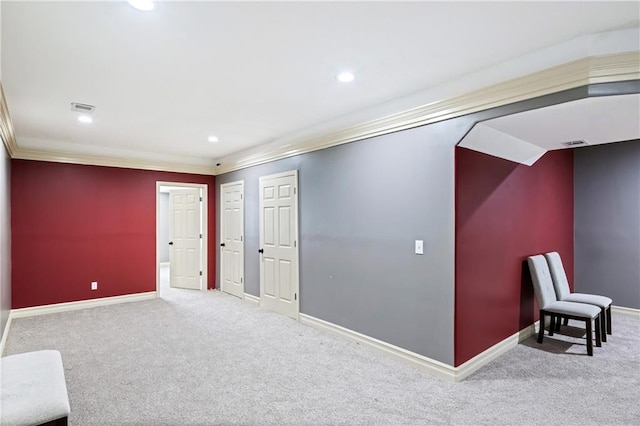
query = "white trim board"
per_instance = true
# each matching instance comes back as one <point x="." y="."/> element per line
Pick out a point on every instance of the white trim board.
<point x="251" y="298"/>
<point x="581" y="72"/>
<point x="625" y="311"/>
<point x="5" y="334"/>
<point x="613" y="67"/>
<point x="474" y="364"/>
<point x="431" y="366"/>
<point x="82" y="304"/>
<point x="109" y="161"/>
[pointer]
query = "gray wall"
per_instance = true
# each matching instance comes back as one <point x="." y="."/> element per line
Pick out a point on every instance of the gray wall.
<point x="163" y="225"/>
<point x="607" y="221"/>
<point x="5" y="238"/>
<point x="362" y="205"/>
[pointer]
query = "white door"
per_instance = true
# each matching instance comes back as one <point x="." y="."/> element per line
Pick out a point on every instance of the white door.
<point x="279" y="243"/>
<point x="185" y="252"/>
<point x="232" y="238"/>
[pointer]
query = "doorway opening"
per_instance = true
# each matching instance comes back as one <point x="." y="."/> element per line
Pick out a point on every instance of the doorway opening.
<point x="181" y="236"/>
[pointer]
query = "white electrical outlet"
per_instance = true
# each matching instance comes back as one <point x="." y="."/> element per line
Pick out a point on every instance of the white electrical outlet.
<point x="419" y="247"/>
<point x="94" y="285"/>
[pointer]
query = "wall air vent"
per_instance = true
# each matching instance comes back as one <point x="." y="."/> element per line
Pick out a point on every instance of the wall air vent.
<point x="574" y="143"/>
<point x="83" y="108"/>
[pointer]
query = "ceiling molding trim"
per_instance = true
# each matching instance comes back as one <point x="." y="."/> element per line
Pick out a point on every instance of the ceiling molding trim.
<point x="581" y="72"/>
<point x="97" y="160"/>
<point x="6" y="125"/>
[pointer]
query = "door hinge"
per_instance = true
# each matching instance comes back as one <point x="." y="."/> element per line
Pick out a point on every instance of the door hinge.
<point x="295" y="296"/>
<point x="241" y="280"/>
<point x="241" y="196"/>
<point x="200" y="235"/>
<point x="295" y="244"/>
<point x="240" y="238"/>
<point x="295" y="190"/>
<point x="200" y="198"/>
<point x="200" y="273"/>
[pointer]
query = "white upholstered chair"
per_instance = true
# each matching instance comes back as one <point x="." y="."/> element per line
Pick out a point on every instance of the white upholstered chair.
<point x="561" y="285"/>
<point x="556" y="309"/>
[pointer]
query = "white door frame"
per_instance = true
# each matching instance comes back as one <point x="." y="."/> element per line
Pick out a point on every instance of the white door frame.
<point x="221" y="275"/>
<point x="205" y="232"/>
<point x="296" y="238"/>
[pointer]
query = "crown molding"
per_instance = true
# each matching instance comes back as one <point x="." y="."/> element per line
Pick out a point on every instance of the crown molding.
<point x="6" y="125"/>
<point x="110" y="161"/>
<point x="14" y="151"/>
<point x="582" y="72"/>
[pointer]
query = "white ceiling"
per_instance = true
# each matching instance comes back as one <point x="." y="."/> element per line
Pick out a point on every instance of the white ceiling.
<point x="526" y="136"/>
<point x="251" y="72"/>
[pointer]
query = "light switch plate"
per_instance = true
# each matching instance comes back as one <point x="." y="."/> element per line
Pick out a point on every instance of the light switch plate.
<point x="94" y="285"/>
<point x="419" y="247"/>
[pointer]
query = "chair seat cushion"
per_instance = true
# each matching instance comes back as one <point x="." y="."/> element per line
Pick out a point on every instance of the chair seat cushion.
<point x="572" y="308"/>
<point x="34" y="390"/>
<point x="591" y="299"/>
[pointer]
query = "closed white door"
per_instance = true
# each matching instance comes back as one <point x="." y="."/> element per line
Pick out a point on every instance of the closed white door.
<point x="232" y="238"/>
<point x="185" y="251"/>
<point x="279" y="243"/>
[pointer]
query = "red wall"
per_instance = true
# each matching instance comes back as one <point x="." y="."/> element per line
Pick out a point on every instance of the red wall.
<point x="73" y="224"/>
<point x="504" y="213"/>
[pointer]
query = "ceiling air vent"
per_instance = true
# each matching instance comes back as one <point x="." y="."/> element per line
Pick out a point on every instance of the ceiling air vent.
<point x="574" y="143"/>
<point x="83" y="108"/>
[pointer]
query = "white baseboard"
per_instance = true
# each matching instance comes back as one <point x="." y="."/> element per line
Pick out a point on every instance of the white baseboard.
<point x="82" y="304"/>
<point x="625" y="311"/>
<point x="474" y="364"/>
<point x="429" y="365"/>
<point x="436" y="368"/>
<point x="5" y="334"/>
<point x="251" y="298"/>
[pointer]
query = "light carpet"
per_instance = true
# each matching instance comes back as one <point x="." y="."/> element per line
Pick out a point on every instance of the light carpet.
<point x="210" y="358"/>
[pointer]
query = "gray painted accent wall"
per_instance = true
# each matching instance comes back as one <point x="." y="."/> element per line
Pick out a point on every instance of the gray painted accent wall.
<point x="163" y="225"/>
<point x="362" y="205"/>
<point x="607" y="221"/>
<point x="5" y="238"/>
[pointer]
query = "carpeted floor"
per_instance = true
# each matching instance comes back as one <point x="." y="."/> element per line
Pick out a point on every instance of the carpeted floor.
<point x="209" y="358"/>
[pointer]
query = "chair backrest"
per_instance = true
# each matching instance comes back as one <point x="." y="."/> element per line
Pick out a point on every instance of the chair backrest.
<point x="542" y="283"/>
<point x="558" y="275"/>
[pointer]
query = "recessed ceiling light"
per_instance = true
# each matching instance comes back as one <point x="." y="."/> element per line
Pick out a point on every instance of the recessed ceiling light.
<point x="85" y="119"/>
<point x="213" y="139"/>
<point x="345" y="77"/>
<point x="145" y="5"/>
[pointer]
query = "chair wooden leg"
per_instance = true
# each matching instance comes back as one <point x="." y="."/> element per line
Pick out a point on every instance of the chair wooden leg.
<point x="566" y="322"/>
<point x="558" y="323"/>
<point x="589" y="337"/>
<point x="598" y="331"/>
<point x="552" y="324"/>
<point x="609" y="319"/>
<point x="603" y="324"/>
<point x="541" y="329"/>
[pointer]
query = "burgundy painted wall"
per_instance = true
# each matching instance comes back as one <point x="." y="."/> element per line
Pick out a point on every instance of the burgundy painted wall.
<point x="504" y="213"/>
<point x="73" y="224"/>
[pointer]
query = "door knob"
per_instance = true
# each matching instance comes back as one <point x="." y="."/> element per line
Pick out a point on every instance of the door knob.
<point x="261" y="251"/>
<point x="222" y="245"/>
<point x="170" y="243"/>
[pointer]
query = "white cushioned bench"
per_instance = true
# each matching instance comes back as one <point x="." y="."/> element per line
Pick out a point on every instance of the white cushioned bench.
<point x="34" y="391"/>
